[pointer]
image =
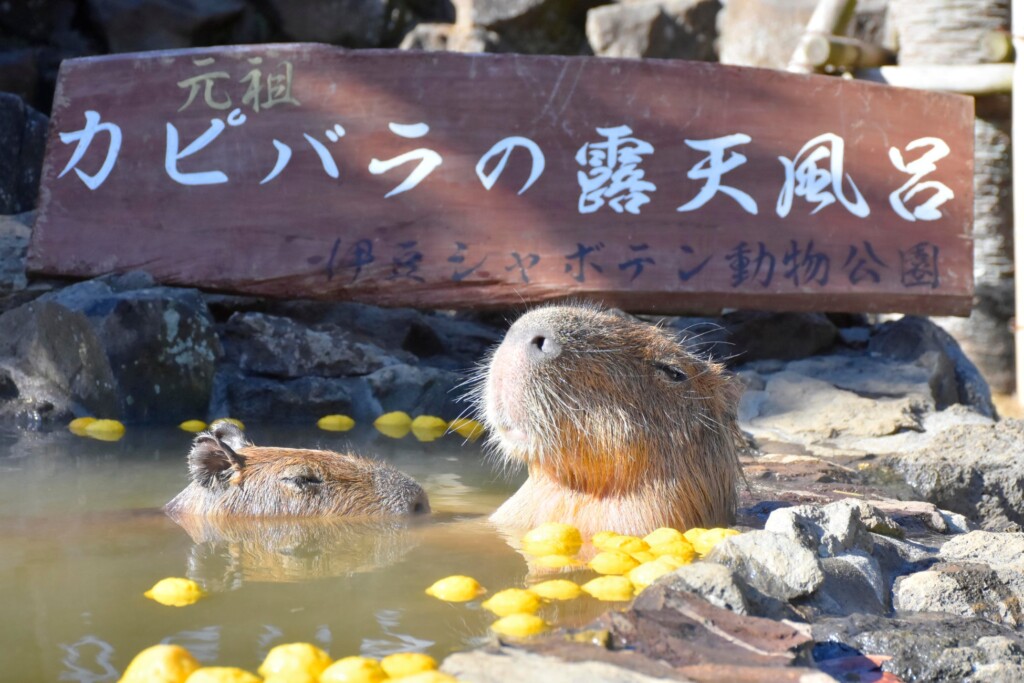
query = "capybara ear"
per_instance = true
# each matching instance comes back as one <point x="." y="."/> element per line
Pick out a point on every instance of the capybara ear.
<point x="212" y="462"/>
<point x="231" y="435"/>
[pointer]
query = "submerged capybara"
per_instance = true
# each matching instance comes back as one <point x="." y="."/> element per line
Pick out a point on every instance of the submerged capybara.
<point x="231" y="477"/>
<point x="621" y="428"/>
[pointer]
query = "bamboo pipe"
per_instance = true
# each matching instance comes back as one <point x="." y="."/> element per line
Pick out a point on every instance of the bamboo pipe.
<point x="966" y="79"/>
<point x="821" y="50"/>
<point x="829" y="17"/>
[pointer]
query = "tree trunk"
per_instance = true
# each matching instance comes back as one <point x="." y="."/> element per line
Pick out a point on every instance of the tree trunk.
<point x="955" y="32"/>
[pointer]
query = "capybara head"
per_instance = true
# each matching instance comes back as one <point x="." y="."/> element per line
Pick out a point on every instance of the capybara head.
<point x="620" y="426"/>
<point x="232" y="477"/>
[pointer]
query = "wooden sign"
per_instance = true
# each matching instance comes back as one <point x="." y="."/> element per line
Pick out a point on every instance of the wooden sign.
<point x="451" y="180"/>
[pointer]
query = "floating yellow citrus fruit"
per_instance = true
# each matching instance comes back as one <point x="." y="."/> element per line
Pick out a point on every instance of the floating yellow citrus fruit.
<point x="222" y="674"/>
<point x="335" y="423"/>
<point x="519" y="625"/>
<point x="707" y="539"/>
<point x="78" y="425"/>
<point x="643" y="576"/>
<point x="104" y="430"/>
<point x="429" y="677"/>
<point x="674" y="562"/>
<point x="643" y="556"/>
<point x="428" y="428"/>
<point x="402" y="664"/>
<point x="469" y="429"/>
<point x="680" y="548"/>
<point x="556" y="562"/>
<point x="229" y="420"/>
<point x="556" y="589"/>
<point x="663" y="535"/>
<point x="627" y="544"/>
<point x="160" y="664"/>
<point x="512" y="601"/>
<point x="175" y="592"/>
<point x="553" y="538"/>
<point x="456" y="588"/>
<point x="611" y="588"/>
<point x="294" y="661"/>
<point x="612" y="562"/>
<point x="192" y="426"/>
<point x="395" y="424"/>
<point x="353" y="670"/>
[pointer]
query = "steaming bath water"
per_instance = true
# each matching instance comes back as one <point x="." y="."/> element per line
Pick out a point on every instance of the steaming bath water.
<point x="81" y="539"/>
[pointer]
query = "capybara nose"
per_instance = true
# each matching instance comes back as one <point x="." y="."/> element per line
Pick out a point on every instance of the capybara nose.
<point x="541" y="345"/>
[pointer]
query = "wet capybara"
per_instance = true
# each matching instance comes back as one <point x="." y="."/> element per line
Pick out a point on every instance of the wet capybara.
<point x="621" y="428"/>
<point x="231" y="477"/>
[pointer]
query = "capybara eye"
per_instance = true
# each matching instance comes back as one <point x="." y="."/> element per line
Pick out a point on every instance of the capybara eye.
<point x="672" y="372"/>
<point x="303" y="481"/>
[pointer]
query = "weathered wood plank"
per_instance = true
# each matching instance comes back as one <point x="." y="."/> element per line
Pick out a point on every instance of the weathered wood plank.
<point x="250" y="169"/>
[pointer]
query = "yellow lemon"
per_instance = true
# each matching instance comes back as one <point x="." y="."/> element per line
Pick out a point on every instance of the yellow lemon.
<point x="78" y="425"/>
<point x="611" y="588"/>
<point x="104" y="430"/>
<point x="612" y="562"/>
<point x="663" y="535"/>
<point x="643" y="556"/>
<point x="680" y="548"/>
<point x="295" y="661"/>
<point x="456" y="588"/>
<point x="353" y="670"/>
<point x="175" y="592"/>
<point x="512" y="601"/>
<point x="428" y="428"/>
<point x="222" y="674"/>
<point x="710" y="538"/>
<point x="429" y="677"/>
<point x="553" y="538"/>
<point x="160" y="664"/>
<point x="674" y="562"/>
<point x="395" y="424"/>
<point x="556" y="561"/>
<point x="556" y="589"/>
<point x="404" y="664"/>
<point x="643" y="576"/>
<point x="602" y="537"/>
<point x="519" y="625"/>
<point x="229" y="420"/>
<point x="627" y="544"/>
<point x="192" y="426"/>
<point x="469" y="429"/>
<point x="335" y="423"/>
<point x="693" y="534"/>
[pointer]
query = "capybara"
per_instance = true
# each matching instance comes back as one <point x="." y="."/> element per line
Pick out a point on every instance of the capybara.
<point x="231" y="477"/>
<point x="621" y="428"/>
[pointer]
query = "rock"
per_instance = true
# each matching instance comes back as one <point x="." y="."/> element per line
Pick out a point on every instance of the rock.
<point x="926" y="647"/>
<point x="746" y="336"/>
<point x="954" y="378"/>
<point x="23" y="138"/>
<point x="352" y="23"/>
<point x="666" y="29"/>
<point x="853" y="583"/>
<point x="451" y="37"/>
<point x="275" y="346"/>
<point x="762" y="32"/>
<point x="159" y="341"/>
<point x="918" y="516"/>
<point x="832" y="529"/>
<point x="417" y="390"/>
<point x="713" y="582"/>
<point x="296" y="400"/>
<point x="970" y="590"/>
<point x="976" y="470"/>
<point x="773" y="564"/>
<point x="509" y="664"/>
<point x="986" y="547"/>
<point x="14" y="235"/>
<point x="530" y="26"/>
<point x="138" y="25"/>
<point x="52" y="367"/>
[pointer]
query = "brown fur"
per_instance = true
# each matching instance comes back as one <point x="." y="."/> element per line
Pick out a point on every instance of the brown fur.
<point x="233" y="478"/>
<point x="624" y="430"/>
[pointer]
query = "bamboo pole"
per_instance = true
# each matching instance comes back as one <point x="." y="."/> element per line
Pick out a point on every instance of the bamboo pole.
<point x="830" y="17"/>
<point x="1017" y="13"/>
<point x="966" y="79"/>
<point x="821" y="51"/>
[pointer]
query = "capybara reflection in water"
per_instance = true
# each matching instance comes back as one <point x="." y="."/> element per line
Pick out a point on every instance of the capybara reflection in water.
<point x="620" y="427"/>
<point x="231" y="477"/>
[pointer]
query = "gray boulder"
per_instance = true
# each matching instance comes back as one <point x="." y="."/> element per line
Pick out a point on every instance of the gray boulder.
<point x="531" y="26"/>
<point x="773" y="564"/>
<point x="713" y="582"/>
<point x="451" y="37"/>
<point x="417" y="390"/>
<point x="138" y="25"/>
<point x="352" y="23"/>
<point x="986" y="547"/>
<point x="832" y="529"/>
<point x="665" y="29"/>
<point x="22" y="142"/>
<point x="970" y="590"/>
<point x="159" y="343"/>
<point x="510" y="664"/>
<point x="302" y="400"/>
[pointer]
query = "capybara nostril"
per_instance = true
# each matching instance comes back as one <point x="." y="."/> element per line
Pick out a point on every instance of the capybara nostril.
<point x="421" y="505"/>
<point x="543" y="347"/>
